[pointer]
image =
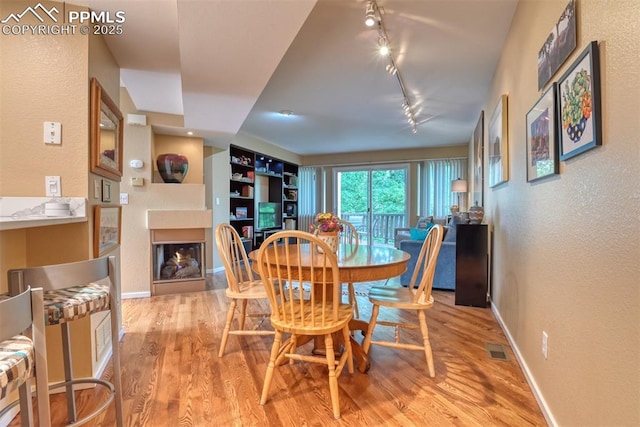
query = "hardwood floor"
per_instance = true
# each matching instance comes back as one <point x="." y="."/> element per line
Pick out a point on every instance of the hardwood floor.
<point x="173" y="377"/>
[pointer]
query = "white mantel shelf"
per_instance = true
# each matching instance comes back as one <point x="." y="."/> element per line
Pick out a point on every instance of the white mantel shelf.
<point x="28" y="212"/>
<point x="179" y="219"/>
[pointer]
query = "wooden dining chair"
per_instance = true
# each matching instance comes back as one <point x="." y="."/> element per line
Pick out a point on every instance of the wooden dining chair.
<point x="20" y="354"/>
<point x="243" y="285"/>
<point x="349" y="235"/>
<point x="416" y="297"/>
<point x="320" y="313"/>
<point x="73" y="291"/>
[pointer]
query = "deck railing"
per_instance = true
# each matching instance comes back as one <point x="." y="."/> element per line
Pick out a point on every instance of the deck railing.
<point x="383" y="225"/>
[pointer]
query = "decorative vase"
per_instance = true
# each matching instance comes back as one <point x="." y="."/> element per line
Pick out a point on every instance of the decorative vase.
<point x="172" y="167"/>
<point x="330" y="238"/>
<point x="476" y="214"/>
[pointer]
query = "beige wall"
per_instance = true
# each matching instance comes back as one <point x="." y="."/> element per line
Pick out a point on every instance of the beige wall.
<point x="566" y="248"/>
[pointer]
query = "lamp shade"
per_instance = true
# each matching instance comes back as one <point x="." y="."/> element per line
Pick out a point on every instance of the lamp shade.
<point x="459" y="186"/>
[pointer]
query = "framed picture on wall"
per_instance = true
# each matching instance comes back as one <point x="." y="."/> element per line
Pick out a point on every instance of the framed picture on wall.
<point x="106" y="191"/>
<point x="478" y="162"/>
<point x="106" y="224"/>
<point x="542" y="147"/>
<point x="559" y="44"/>
<point x="498" y="144"/>
<point x="579" y="105"/>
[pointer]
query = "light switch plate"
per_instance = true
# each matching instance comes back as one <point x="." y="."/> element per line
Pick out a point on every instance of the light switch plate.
<point x="124" y="198"/>
<point x="96" y="188"/>
<point x="52" y="186"/>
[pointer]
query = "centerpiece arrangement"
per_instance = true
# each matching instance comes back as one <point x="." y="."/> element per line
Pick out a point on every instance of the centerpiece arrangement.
<point x="327" y="226"/>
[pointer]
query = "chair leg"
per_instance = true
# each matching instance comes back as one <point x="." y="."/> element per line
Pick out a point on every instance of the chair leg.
<point x="333" y="380"/>
<point x="115" y="358"/>
<point x="372" y="324"/>
<point x="270" y="368"/>
<point x="40" y="343"/>
<point x="68" y="371"/>
<point x="244" y="313"/>
<point x="353" y="301"/>
<point x="427" y="345"/>
<point x="346" y="336"/>
<point x="227" y="326"/>
<point x="26" y="407"/>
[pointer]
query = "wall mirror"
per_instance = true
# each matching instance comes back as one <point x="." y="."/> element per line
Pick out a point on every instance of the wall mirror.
<point x="106" y="134"/>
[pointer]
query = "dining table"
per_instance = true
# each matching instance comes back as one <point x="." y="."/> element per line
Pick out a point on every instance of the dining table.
<point x="357" y="264"/>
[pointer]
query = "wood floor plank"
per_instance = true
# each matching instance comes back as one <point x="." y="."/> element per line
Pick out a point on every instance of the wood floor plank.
<point x="172" y="375"/>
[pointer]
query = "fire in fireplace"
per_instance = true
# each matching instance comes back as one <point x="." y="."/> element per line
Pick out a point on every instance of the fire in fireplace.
<point x="177" y="261"/>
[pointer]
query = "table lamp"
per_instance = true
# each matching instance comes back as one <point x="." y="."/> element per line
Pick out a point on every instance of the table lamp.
<point x="459" y="186"/>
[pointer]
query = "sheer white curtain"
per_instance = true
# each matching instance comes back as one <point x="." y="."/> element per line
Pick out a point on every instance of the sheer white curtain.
<point x="306" y="197"/>
<point x="436" y="181"/>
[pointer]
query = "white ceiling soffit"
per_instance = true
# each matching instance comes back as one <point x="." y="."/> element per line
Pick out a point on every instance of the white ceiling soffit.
<point x="228" y="52"/>
<point x="206" y="59"/>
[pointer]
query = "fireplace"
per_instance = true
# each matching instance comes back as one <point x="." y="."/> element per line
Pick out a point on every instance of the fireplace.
<point x="178" y="259"/>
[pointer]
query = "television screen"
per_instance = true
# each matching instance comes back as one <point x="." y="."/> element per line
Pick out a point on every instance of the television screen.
<point x="269" y="215"/>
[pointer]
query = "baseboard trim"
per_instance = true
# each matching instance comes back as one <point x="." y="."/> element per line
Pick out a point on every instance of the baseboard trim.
<point x="544" y="407"/>
<point x="133" y="295"/>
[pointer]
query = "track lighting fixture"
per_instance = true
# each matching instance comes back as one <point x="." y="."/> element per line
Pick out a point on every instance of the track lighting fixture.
<point x="370" y="15"/>
<point x="373" y="15"/>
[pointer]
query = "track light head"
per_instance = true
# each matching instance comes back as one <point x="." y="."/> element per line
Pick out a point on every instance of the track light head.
<point x="383" y="45"/>
<point x="391" y="69"/>
<point x="370" y="15"/>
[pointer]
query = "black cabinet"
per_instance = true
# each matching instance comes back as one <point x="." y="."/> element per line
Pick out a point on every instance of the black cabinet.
<point x="472" y="264"/>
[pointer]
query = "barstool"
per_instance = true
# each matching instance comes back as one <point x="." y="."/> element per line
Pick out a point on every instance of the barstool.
<point x="71" y="292"/>
<point x="21" y="355"/>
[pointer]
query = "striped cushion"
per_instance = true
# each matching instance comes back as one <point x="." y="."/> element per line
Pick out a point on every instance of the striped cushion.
<point x="65" y="305"/>
<point x="16" y="363"/>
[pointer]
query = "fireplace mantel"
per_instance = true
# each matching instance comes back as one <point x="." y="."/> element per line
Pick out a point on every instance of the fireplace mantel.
<point x="184" y="219"/>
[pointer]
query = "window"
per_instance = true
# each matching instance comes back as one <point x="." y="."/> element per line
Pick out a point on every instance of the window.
<point x="436" y="182"/>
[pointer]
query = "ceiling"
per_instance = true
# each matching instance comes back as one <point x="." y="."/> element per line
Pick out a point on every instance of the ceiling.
<point x="229" y="67"/>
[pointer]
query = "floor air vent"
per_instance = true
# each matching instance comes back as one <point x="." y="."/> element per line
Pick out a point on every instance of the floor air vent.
<point x="496" y="351"/>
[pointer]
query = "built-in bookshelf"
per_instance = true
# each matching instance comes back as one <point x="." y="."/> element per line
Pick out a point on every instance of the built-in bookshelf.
<point x="259" y="185"/>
